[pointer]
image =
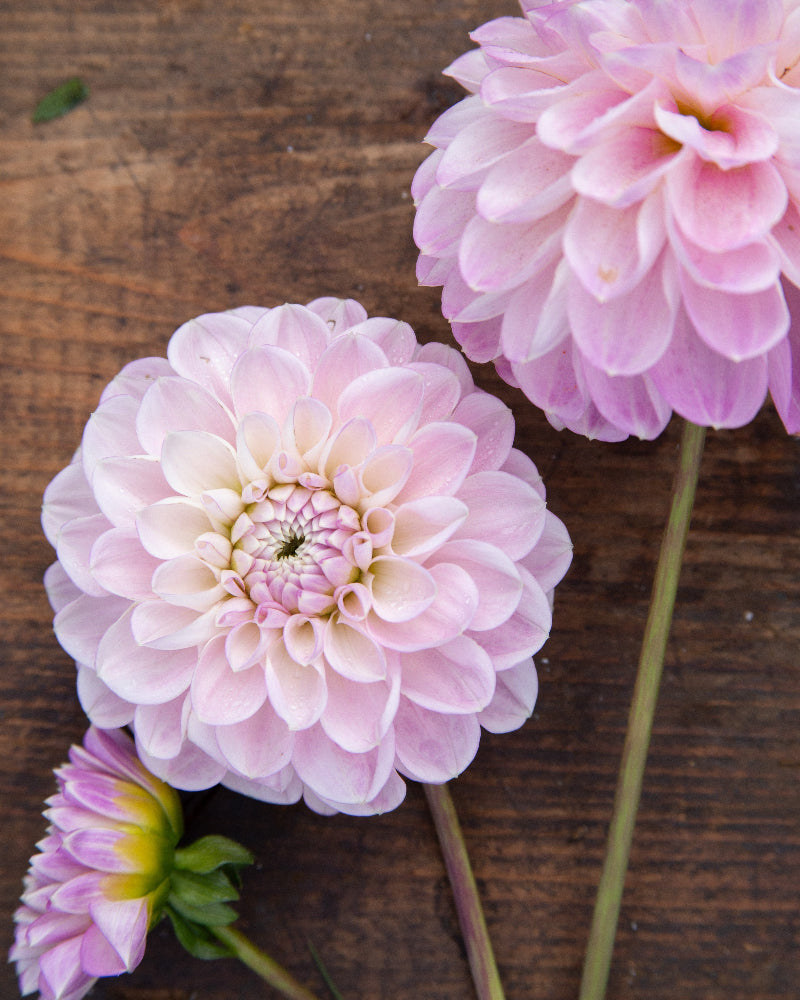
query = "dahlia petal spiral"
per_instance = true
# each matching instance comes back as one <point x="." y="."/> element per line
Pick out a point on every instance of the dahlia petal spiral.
<point x="298" y="557"/>
<point x="612" y="211"/>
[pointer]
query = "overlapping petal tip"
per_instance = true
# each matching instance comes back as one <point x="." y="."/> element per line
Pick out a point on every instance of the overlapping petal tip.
<point x="101" y="873"/>
<point x="295" y="558"/>
<point x="616" y="202"/>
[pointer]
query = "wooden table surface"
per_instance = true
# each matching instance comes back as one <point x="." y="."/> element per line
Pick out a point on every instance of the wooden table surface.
<point x="261" y="151"/>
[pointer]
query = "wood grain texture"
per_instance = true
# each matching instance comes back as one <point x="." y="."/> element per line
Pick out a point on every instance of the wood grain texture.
<point x="260" y="151"/>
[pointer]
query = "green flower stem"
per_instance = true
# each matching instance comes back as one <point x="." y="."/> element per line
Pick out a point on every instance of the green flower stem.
<point x="597" y="963"/>
<point x="465" y="893"/>
<point x="261" y="963"/>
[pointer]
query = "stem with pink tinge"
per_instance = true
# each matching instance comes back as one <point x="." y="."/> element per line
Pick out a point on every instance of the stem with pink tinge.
<point x="597" y="963"/>
<point x="465" y="893"/>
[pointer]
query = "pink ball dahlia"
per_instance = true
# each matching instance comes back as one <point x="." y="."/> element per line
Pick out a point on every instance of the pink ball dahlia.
<point x="614" y="211"/>
<point x="302" y="557"/>
<point x="102" y="873"/>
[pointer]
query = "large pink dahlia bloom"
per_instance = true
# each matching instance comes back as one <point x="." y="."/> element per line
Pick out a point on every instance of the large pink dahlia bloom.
<point x="301" y="556"/>
<point x="102" y="873"/>
<point x="614" y="211"/>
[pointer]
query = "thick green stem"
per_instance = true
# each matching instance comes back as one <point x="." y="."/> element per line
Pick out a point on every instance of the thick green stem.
<point x="261" y="963"/>
<point x="465" y="893"/>
<point x="640" y="721"/>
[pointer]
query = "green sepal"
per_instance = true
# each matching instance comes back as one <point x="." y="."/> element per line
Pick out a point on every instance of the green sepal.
<point x="197" y="940"/>
<point x="201" y="890"/>
<point x="212" y="852"/>
<point x="210" y="915"/>
<point x="61" y="100"/>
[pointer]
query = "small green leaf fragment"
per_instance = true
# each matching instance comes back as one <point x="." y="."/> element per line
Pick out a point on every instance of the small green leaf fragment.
<point x="209" y="853"/>
<point x="61" y="100"/>
<point x="200" y="890"/>
<point x="197" y="940"/>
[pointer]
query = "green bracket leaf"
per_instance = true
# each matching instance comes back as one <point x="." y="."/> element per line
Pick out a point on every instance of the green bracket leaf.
<point x="61" y="100"/>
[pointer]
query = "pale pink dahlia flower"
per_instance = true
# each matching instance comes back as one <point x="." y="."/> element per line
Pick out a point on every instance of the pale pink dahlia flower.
<point x="102" y="873"/>
<point x="613" y="212"/>
<point x="302" y="556"/>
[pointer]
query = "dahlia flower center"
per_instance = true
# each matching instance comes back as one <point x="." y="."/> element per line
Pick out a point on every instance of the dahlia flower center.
<point x="291" y="552"/>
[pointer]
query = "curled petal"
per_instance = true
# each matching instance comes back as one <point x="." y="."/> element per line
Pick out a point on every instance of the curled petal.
<point x="401" y="589"/>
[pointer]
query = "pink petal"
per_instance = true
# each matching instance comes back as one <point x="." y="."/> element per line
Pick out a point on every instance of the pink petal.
<point x="61" y="974"/>
<point x="443" y="454"/>
<point x="345" y="360"/>
<point x="164" y="626"/>
<point x="495" y="577"/>
<point x="161" y="729"/>
<point x="298" y="694"/>
<point x="82" y="623"/>
<point x="259" y="746"/>
<point x="102" y="706"/>
<point x="421" y="526"/>
<point x="220" y="696"/>
<point x="67" y="496"/>
<point x="357" y="716"/>
<point x="394" y="337"/>
<point x="628" y="334"/>
<point x="456" y="678"/>
<point x="493" y="424"/>
<point x="335" y="774"/>
<point x="191" y="770"/>
<point x="433" y="747"/>
<point x="123" y="486"/>
<point x="535" y="320"/>
<point x="268" y="380"/>
<point x="623" y="169"/>
<point x="295" y="329"/>
<point x="352" y="654"/>
<point x="123" y="923"/>
<point x="738" y="326"/>
<point x="514" y="699"/>
<point x="705" y="387"/>
<point x="612" y="249"/>
<point x="176" y="404"/>
<point x="171" y="528"/>
<point x="722" y="210"/>
<point x="110" y="432"/>
<point x="384" y="474"/>
<point x="442" y="390"/>
<point x="502" y="509"/>
<point x="195" y="461"/>
<point x="496" y="257"/>
<point x="121" y="565"/>
<point x="338" y="314"/>
<point x="450" y="613"/>
<point x="514" y="192"/>
<point x="75" y="541"/>
<point x="630" y="402"/>
<point x="477" y="147"/>
<point x="205" y="349"/>
<point x="401" y="589"/>
<point x="368" y="397"/>
<point x="282" y="788"/>
<point x="551" y="556"/>
<point x="750" y="268"/>
<point x="525" y="632"/>
<point x="139" y="674"/>
<point x="350" y="446"/>
<point x="188" y="582"/>
<point x="440" y="220"/>
<point x="735" y="137"/>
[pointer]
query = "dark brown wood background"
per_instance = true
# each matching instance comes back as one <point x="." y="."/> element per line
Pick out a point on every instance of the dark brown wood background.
<point x="261" y="151"/>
